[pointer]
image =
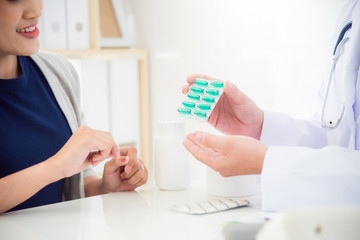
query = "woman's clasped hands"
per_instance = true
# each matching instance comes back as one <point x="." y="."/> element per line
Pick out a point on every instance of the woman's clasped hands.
<point x="125" y="171"/>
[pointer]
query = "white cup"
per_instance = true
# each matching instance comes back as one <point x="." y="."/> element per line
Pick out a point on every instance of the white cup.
<point x="171" y="159"/>
<point x="232" y="187"/>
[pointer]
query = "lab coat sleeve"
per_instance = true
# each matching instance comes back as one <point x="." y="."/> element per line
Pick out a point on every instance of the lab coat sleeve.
<point x="281" y="129"/>
<point x="302" y="177"/>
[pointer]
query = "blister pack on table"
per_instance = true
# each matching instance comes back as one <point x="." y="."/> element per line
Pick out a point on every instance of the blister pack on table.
<point x="209" y="206"/>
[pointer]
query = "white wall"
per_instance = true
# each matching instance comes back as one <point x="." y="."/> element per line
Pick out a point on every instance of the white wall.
<point x="276" y="51"/>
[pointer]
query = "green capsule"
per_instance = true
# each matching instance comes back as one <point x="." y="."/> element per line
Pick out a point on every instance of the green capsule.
<point x="213" y="92"/>
<point x="200" y="114"/>
<point x="184" y="111"/>
<point x="188" y="104"/>
<point x="193" y="96"/>
<point x="201" y="82"/>
<point x="204" y="106"/>
<point x="208" y="99"/>
<point x="217" y="84"/>
<point x="197" y="89"/>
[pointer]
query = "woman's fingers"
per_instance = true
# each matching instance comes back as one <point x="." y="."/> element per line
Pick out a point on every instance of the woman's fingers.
<point x="138" y="178"/>
<point x="105" y="146"/>
<point x="114" y="164"/>
<point x="133" y="164"/>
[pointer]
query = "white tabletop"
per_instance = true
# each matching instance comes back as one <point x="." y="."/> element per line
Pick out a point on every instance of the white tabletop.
<point x="140" y="214"/>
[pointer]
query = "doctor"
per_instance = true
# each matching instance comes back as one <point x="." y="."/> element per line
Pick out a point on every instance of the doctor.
<point x="302" y="163"/>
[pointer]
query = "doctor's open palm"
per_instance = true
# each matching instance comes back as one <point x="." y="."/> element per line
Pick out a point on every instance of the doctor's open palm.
<point x="228" y="155"/>
<point x="235" y="113"/>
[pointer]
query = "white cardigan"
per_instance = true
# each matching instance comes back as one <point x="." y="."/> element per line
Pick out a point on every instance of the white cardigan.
<point x="64" y="83"/>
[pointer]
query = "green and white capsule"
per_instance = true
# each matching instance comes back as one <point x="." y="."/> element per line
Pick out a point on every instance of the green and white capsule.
<point x="201" y="82"/>
<point x="208" y="99"/>
<point x="200" y="114"/>
<point x="212" y="92"/>
<point x="217" y="84"/>
<point x="204" y="106"/>
<point x="193" y="96"/>
<point x="198" y="90"/>
<point x="188" y="104"/>
<point x="184" y="111"/>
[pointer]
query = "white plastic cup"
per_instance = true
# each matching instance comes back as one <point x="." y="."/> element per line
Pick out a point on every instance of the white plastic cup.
<point x="232" y="187"/>
<point x="171" y="159"/>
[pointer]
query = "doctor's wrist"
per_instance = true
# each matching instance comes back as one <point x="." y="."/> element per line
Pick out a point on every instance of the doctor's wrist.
<point x="260" y="157"/>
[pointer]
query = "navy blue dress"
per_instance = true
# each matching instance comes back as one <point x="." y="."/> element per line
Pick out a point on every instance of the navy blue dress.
<point x="32" y="128"/>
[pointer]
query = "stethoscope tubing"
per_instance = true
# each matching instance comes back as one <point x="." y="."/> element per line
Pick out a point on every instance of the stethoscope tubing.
<point x="336" y="54"/>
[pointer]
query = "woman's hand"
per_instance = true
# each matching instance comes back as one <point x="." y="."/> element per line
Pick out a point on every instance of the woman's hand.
<point x="228" y="155"/>
<point x="235" y="113"/>
<point x="86" y="146"/>
<point x="117" y="177"/>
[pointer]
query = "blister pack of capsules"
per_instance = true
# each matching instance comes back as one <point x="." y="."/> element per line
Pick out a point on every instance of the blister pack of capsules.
<point x="209" y="206"/>
<point x="201" y="99"/>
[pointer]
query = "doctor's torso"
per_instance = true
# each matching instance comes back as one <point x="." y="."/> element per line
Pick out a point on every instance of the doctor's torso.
<point x="344" y="90"/>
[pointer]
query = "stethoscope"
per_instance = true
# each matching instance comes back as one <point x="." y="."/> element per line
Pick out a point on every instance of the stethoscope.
<point x="331" y="123"/>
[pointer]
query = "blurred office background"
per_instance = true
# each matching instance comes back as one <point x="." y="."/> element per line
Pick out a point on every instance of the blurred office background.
<point x="276" y="51"/>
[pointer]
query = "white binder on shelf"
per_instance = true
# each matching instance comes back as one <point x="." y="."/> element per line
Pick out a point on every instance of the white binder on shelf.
<point x="54" y="25"/>
<point x="77" y="13"/>
<point x="95" y="93"/>
<point x="124" y="103"/>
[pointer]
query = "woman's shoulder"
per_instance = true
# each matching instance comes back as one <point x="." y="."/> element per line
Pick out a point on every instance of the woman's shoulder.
<point x="56" y="67"/>
<point x="49" y="58"/>
<point x="54" y="63"/>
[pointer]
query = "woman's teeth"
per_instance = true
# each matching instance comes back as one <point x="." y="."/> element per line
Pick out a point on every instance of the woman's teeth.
<point x="29" y="29"/>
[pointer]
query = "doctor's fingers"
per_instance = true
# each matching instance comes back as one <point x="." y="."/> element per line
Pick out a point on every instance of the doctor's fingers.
<point x="208" y="140"/>
<point x="233" y="94"/>
<point x="201" y="153"/>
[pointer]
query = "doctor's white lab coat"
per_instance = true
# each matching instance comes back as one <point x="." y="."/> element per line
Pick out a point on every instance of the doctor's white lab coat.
<point x="308" y="165"/>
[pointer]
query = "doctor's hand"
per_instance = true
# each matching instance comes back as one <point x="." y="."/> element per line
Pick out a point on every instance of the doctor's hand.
<point x="125" y="173"/>
<point x="228" y="155"/>
<point x="235" y="113"/>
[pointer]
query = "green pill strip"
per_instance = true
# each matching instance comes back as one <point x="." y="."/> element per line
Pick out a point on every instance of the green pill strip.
<point x="201" y="82"/>
<point x="217" y="84"/>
